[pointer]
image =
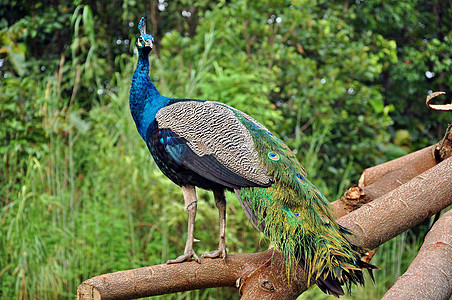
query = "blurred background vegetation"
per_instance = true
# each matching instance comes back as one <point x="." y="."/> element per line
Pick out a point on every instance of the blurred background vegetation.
<point x="342" y="82"/>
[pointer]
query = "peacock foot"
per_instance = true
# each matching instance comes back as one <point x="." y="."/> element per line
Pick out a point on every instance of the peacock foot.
<point x="187" y="256"/>
<point x="220" y="253"/>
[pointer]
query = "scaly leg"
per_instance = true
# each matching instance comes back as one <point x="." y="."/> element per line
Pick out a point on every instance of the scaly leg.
<point x="220" y="203"/>
<point x="189" y="193"/>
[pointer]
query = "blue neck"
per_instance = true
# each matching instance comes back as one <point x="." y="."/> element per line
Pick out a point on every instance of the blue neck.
<point x="144" y="99"/>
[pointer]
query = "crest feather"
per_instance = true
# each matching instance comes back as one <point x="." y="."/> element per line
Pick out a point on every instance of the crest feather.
<point x="142" y="25"/>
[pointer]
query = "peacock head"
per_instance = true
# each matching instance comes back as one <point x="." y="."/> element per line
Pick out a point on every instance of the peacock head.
<point x="145" y="41"/>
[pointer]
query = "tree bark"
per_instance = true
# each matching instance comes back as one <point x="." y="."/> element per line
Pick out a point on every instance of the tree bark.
<point x="373" y="174"/>
<point x="430" y="274"/>
<point x="262" y="275"/>
<point x="235" y="270"/>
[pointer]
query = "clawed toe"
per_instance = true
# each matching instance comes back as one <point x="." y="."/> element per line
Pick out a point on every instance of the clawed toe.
<point x="187" y="256"/>
<point x="220" y="253"/>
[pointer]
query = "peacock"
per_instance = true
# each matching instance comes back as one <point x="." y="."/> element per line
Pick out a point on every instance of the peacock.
<point x="216" y="147"/>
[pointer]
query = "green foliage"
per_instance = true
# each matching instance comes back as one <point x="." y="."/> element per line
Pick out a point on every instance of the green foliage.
<point x="342" y="84"/>
<point x="21" y="135"/>
<point x="423" y="34"/>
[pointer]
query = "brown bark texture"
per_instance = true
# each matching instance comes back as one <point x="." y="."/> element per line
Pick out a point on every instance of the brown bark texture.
<point x="390" y="210"/>
<point x="423" y="157"/>
<point x="430" y="274"/>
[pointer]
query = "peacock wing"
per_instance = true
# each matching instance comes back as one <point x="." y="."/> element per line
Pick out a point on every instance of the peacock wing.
<point x="212" y="142"/>
<point x="178" y="154"/>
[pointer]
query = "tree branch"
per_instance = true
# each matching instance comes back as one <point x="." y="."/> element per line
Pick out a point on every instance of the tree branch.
<point x="423" y="158"/>
<point x="430" y="274"/>
<point x="244" y="271"/>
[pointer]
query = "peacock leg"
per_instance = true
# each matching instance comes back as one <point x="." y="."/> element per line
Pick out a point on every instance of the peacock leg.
<point x="189" y="193"/>
<point x="220" y="203"/>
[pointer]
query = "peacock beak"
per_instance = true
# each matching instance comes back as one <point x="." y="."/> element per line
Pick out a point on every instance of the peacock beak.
<point x="149" y="43"/>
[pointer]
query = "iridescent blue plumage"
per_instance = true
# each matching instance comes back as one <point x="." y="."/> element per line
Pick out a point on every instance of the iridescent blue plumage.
<point x="144" y="100"/>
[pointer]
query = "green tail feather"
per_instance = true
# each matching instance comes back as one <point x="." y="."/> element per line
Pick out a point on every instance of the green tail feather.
<point x="297" y="220"/>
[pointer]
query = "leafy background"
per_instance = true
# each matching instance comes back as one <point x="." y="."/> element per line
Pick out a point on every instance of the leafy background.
<point x="343" y="83"/>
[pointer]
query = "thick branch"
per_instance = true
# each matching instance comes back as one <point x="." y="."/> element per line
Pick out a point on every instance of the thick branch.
<point x="257" y="275"/>
<point x="430" y="274"/>
<point x="423" y="158"/>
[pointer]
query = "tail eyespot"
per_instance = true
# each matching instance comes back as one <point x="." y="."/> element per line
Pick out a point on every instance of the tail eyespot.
<point x="273" y="156"/>
<point x="301" y="179"/>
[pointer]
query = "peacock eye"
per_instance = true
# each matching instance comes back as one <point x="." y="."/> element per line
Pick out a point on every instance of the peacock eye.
<point x="297" y="214"/>
<point x="140" y="40"/>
